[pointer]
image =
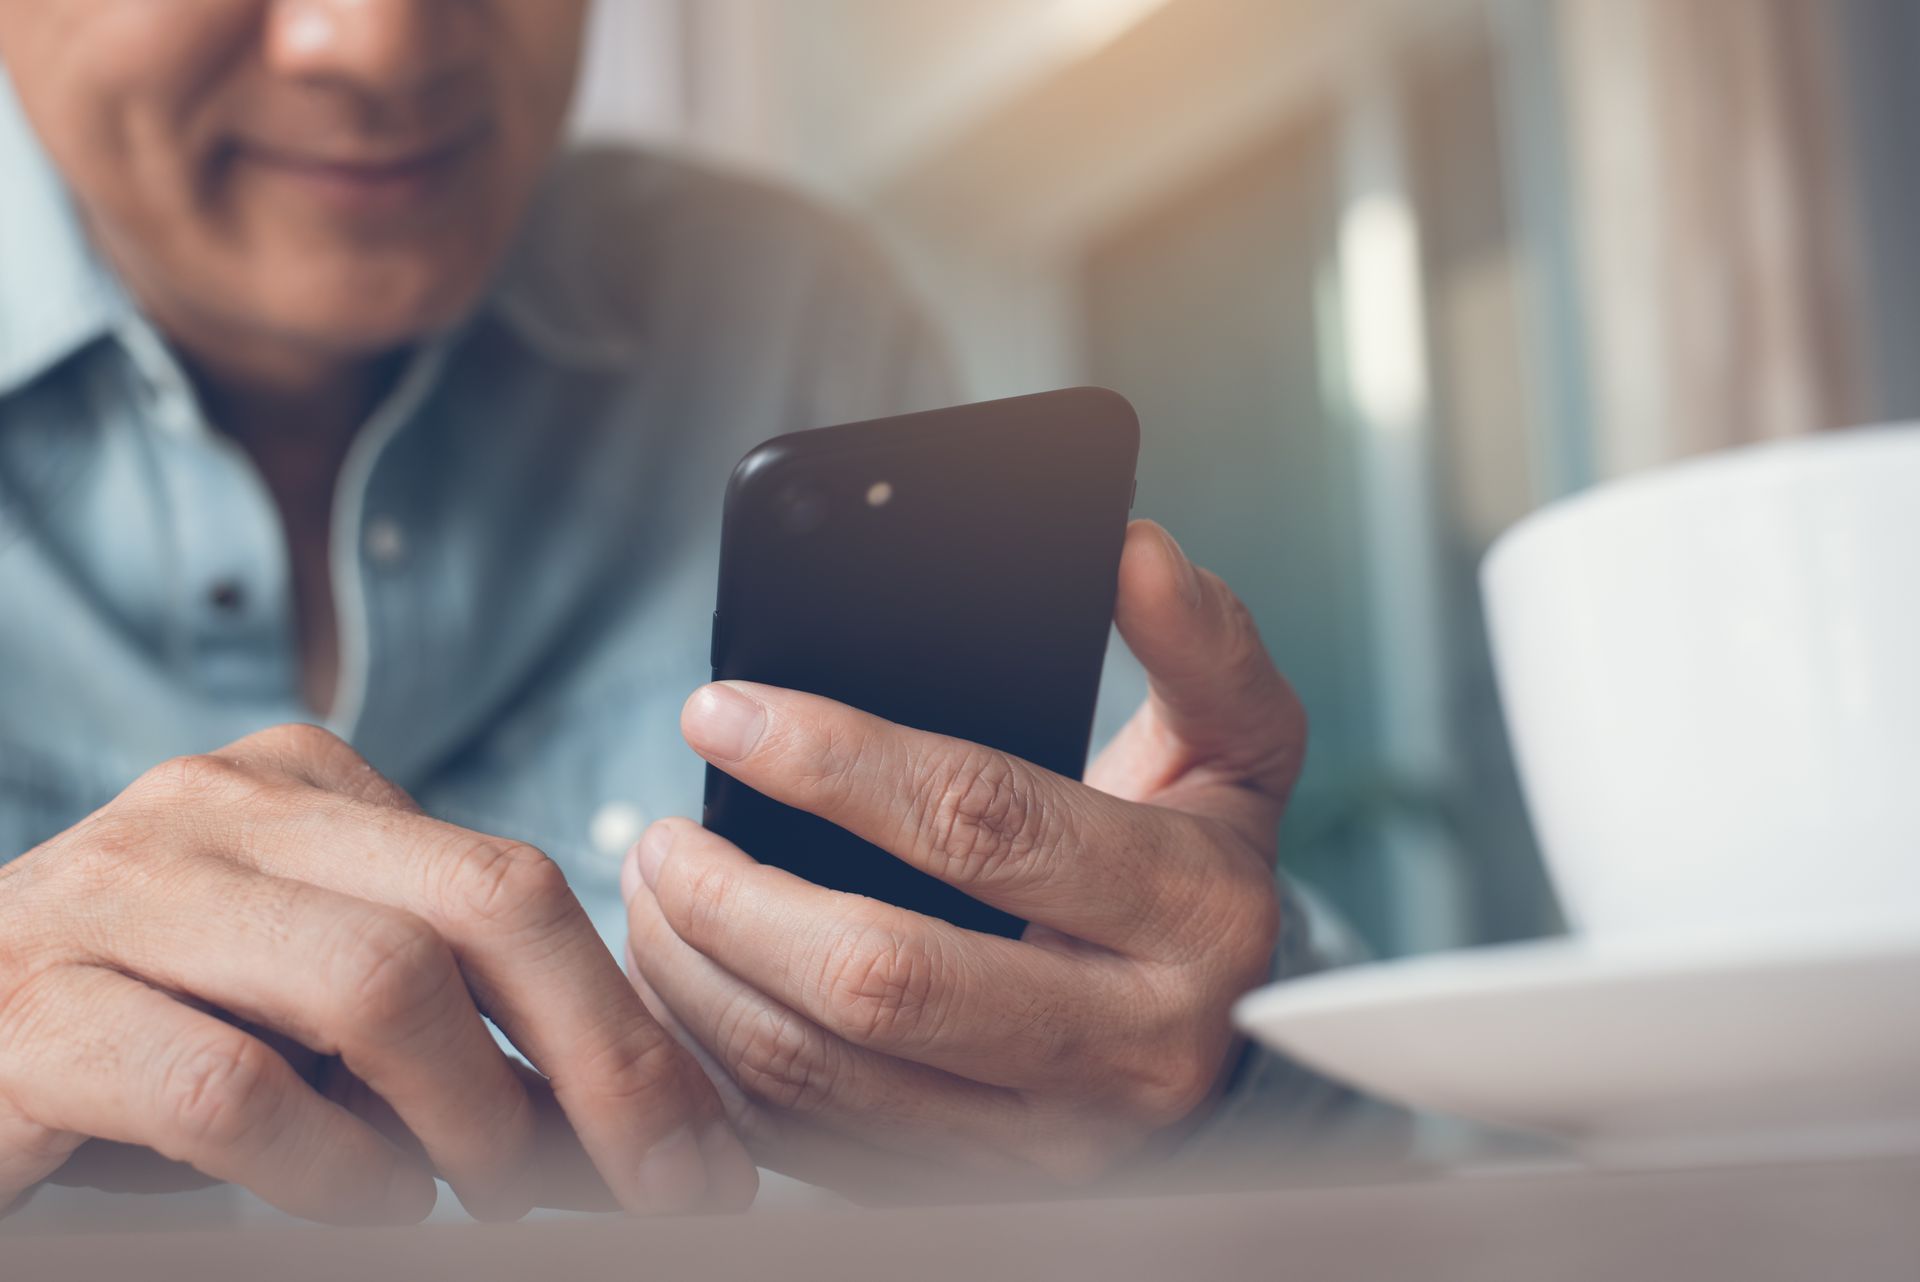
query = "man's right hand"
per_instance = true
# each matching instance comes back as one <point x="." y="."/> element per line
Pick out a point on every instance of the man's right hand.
<point x="281" y="892"/>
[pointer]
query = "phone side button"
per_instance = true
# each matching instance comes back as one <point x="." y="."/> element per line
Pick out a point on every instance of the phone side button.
<point x="713" y="646"/>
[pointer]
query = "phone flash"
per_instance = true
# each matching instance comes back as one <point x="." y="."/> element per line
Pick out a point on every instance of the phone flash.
<point x="879" y="493"/>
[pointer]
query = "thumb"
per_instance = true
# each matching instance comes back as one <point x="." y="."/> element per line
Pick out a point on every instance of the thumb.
<point x="1218" y="704"/>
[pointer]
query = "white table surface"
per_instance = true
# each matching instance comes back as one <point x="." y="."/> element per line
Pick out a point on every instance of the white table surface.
<point x="1807" y="1221"/>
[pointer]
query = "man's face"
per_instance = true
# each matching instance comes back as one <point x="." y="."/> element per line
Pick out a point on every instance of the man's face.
<point x="338" y="174"/>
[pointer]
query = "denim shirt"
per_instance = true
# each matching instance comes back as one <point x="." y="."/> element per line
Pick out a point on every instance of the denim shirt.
<point x="525" y="533"/>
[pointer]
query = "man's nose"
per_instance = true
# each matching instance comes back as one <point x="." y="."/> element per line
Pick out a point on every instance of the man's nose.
<point x="377" y="45"/>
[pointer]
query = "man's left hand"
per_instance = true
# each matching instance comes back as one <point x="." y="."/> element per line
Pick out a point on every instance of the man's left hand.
<point x="878" y="1051"/>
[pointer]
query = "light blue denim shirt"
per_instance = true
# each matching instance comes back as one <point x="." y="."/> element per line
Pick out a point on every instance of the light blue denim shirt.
<point x="525" y="531"/>
<point x="525" y="536"/>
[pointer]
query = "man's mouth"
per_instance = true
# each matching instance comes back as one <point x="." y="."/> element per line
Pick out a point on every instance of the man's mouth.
<point x="372" y="180"/>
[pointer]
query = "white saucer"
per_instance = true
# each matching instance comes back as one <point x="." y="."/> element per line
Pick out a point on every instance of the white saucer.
<point x="1651" y="1052"/>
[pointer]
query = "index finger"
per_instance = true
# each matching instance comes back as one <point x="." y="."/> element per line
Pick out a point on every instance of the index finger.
<point x="644" y="1111"/>
<point x="1004" y="830"/>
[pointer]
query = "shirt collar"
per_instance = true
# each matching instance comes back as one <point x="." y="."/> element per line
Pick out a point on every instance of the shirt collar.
<point x="555" y="293"/>
<point x="56" y="296"/>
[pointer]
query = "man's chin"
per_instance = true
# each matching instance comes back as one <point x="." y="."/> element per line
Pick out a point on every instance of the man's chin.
<point x="353" y="329"/>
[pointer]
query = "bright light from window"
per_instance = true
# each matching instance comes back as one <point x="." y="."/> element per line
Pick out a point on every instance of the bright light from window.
<point x="1381" y="305"/>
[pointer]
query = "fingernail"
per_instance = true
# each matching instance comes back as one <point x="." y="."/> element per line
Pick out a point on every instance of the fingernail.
<point x="656" y="843"/>
<point x="411" y="1194"/>
<point x="673" y="1174"/>
<point x="1184" y="573"/>
<point x="722" y="722"/>
<point x="494" y="1205"/>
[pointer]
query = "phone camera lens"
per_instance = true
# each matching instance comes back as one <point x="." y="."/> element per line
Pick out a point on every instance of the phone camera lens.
<point x="803" y="508"/>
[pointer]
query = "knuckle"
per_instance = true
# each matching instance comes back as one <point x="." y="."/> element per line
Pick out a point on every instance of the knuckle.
<point x="1245" y="917"/>
<point x="209" y="1091"/>
<point x="394" y="971"/>
<point x="338" y="764"/>
<point x="119" y="851"/>
<point x="509" y="885"/>
<point x="704" y="902"/>
<point x="307" y="741"/>
<point x="201" y="777"/>
<point x="1230" y="917"/>
<point x="877" y="985"/>
<point x="984" y="817"/>
<point x="1169" y="1090"/>
<point x="773" y="1059"/>
<point x="362" y="780"/>
<point x="633" y="1068"/>
<point x="1189" y="1031"/>
<point x="1242" y="651"/>
<point x="826" y="755"/>
<point x="1263" y="922"/>
<point x="1243" y="632"/>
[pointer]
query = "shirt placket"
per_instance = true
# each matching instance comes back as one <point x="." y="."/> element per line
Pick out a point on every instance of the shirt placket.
<point x="372" y="553"/>
<point x="231" y="613"/>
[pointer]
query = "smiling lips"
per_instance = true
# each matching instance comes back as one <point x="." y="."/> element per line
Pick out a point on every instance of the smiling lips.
<point x="378" y="185"/>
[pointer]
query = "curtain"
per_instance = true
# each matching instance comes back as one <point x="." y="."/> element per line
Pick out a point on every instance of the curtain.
<point x="1719" y="249"/>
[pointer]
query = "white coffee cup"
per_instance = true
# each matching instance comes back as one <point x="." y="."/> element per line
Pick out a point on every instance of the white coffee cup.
<point x="1711" y="674"/>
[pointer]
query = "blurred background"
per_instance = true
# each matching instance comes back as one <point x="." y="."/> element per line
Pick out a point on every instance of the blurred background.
<point x="1382" y="276"/>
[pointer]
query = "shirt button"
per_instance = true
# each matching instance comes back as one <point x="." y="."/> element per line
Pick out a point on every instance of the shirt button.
<point x="227" y="596"/>
<point x="386" y="542"/>
<point x="615" y="827"/>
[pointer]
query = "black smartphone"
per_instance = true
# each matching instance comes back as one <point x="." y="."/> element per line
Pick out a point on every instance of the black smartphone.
<point x="953" y="571"/>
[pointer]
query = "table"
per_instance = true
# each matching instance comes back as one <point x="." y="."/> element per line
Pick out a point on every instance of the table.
<point x="1828" y="1221"/>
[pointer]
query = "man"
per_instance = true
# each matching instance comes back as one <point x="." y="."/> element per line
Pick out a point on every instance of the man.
<point x="328" y="395"/>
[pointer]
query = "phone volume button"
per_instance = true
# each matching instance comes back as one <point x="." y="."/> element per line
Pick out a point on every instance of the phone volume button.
<point x="713" y="645"/>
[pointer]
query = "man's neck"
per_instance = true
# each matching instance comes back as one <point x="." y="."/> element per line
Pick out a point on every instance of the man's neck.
<point x="291" y="418"/>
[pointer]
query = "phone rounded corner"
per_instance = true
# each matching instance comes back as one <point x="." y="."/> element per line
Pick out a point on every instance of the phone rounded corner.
<point x="1112" y="410"/>
<point x="756" y="464"/>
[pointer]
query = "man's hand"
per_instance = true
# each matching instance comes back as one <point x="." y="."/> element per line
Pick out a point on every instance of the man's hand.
<point x="166" y="964"/>
<point x="865" y="1046"/>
